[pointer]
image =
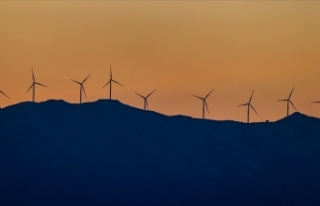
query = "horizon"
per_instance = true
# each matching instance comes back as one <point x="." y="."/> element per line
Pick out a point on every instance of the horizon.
<point x="142" y="110"/>
<point x="179" y="48"/>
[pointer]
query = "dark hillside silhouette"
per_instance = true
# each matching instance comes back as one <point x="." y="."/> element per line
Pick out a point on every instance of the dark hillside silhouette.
<point x="108" y="153"/>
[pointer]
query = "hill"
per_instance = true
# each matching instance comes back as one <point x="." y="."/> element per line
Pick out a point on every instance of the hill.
<point x="108" y="153"/>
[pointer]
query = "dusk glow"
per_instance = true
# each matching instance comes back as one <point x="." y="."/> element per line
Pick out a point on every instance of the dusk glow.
<point x="179" y="48"/>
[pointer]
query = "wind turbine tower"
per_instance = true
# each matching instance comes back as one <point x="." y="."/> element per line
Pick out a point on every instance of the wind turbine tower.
<point x="204" y="103"/>
<point x="110" y="82"/>
<point x="249" y="105"/>
<point x="146" y="105"/>
<point x="288" y="101"/>
<point x="33" y="86"/>
<point x="82" y="87"/>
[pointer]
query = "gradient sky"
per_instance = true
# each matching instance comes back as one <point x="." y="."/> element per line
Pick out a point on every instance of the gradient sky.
<point x="180" y="48"/>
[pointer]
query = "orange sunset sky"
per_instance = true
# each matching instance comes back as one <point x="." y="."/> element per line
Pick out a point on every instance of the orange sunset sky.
<point x="180" y="48"/>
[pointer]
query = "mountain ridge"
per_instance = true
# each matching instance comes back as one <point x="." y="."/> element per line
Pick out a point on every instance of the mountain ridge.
<point x="108" y="153"/>
<point x="120" y="104"/>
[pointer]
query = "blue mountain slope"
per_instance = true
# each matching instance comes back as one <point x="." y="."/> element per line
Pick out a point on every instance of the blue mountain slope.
<point x="107" y="153"/>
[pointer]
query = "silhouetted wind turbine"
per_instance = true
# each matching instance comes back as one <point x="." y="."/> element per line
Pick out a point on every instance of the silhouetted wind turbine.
<point x="110" y="82"/>
<point x="82" y="87"/>
<point x="146" y="106"/>
<point x="33" y="85"/>
<point x="204" y="104"/>
<point x="249" y="105"/>
<point x="288" y="101"/>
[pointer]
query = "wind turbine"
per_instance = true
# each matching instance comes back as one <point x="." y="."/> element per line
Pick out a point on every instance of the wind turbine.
<point x="288" y="101"/>
<point x="33" y="85"/>
<point x="249" y="105"/>
<point x="146" y="106"/>
<point x="82" y="87"/>
<point x="204" y="104"/>
<point x="110" y="82"/>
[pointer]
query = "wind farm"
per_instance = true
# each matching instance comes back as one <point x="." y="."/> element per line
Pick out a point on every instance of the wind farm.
<point x="177" y="53"/>
<point x="205" y="107"/>
<point x="189" y="103"/>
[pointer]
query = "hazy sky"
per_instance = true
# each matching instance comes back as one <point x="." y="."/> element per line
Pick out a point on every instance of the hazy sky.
<point x="180" y="48"/>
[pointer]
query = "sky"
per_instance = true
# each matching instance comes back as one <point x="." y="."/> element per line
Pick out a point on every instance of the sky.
<point x="180" y="48"/>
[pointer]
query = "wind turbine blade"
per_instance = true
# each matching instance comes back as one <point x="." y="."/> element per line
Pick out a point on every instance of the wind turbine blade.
<point x="251" y="96"/>
<point x="75" y="81"/>
<point x="205" y="103"/>
<point x="253" y="109"/>
<point x="140" y="95"/>
<point x="291" y="93"/>
<point x="198" y="97"/>
<point x="33" y="75"/>
<point x="110" y="72"/>
<point x="243" y="104"/>
<point x="4" y="94"/>
<point x="84" y="91"/>
<point x="117" y="82"/>
<point x="150" y="93"/>
<point x="282" y="100"/>
<point x="208" y="94"/>
<point x="316" y="102"/>
<point x="147" y="105"/>
<point x="293" y="105"/>
<point x="86" y="78"/>
<point x="30" y="87"/>
<point x="41" y="84"/>
<point x="106" y="84"/>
